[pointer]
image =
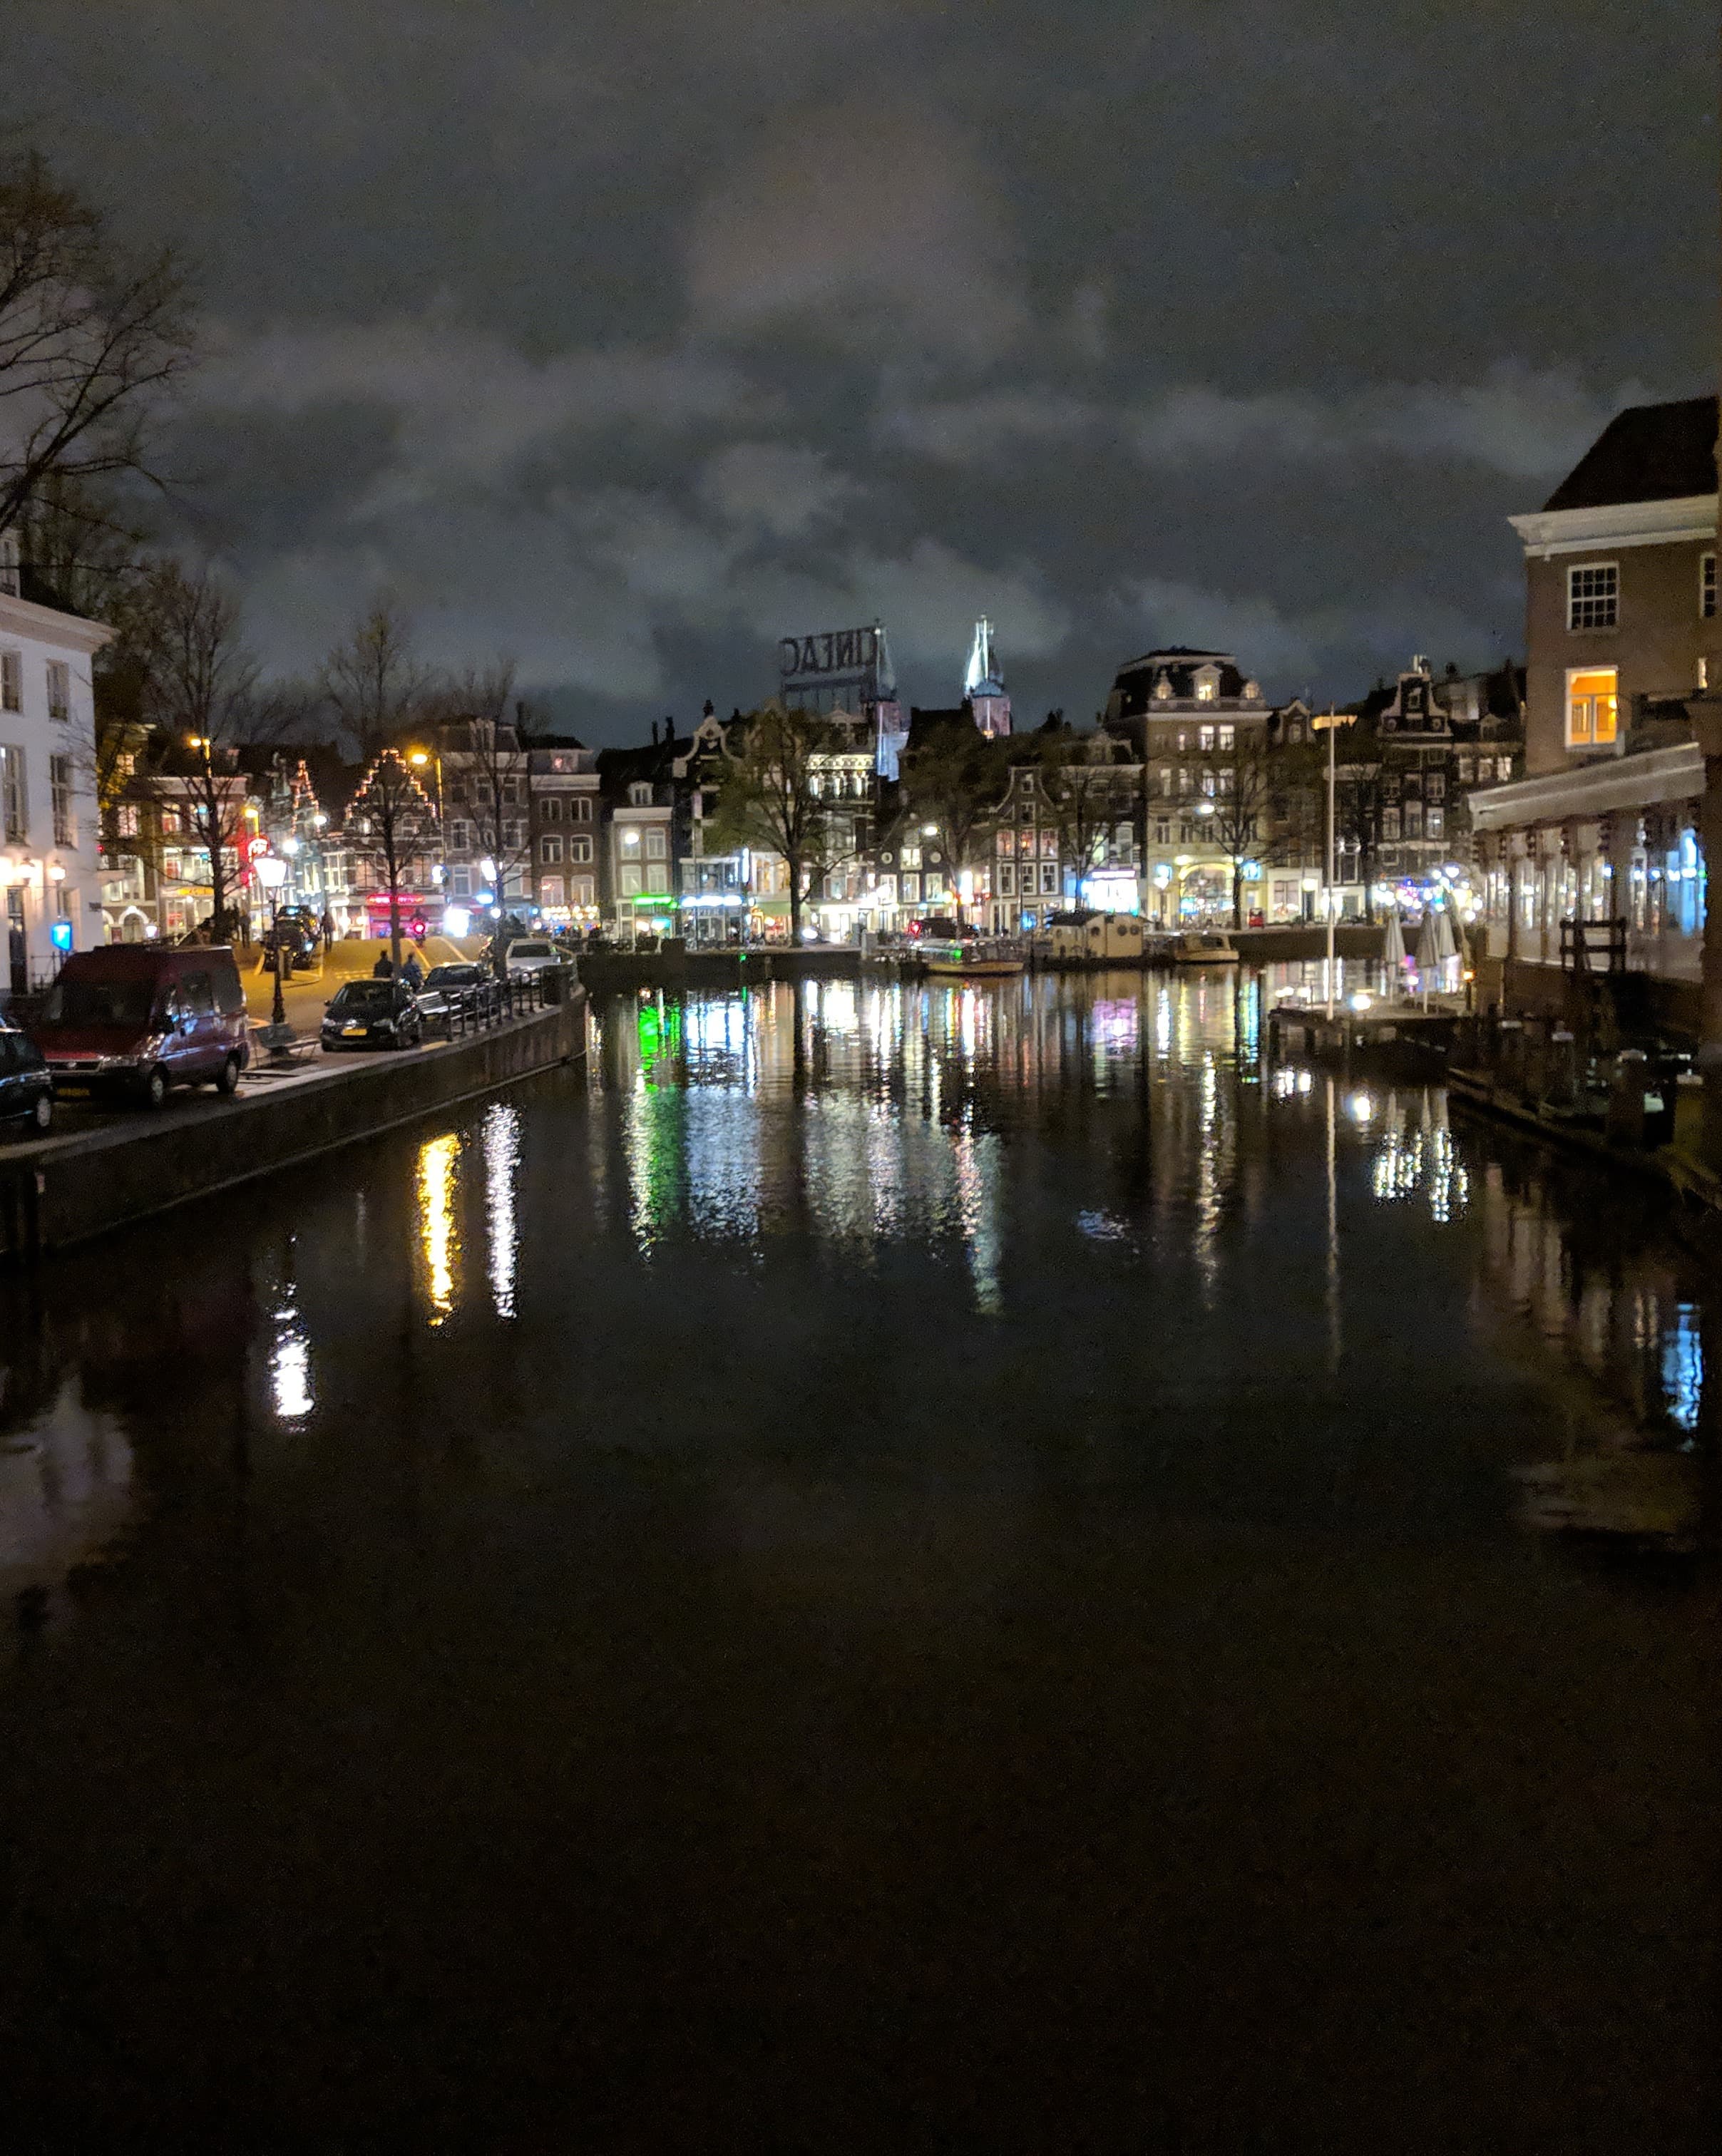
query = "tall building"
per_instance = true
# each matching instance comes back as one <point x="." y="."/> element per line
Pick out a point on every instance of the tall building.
<point x="1202" y="725"/>
<point x="1621" y="628"/>
<point x="49" y="878"/>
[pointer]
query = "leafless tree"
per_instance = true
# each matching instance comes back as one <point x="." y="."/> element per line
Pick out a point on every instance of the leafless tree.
<point x="91" y="339"/>
<point x="493" y="763"/>
<point x="955" y="781"/>
<point x="773" y="798"/>
<point x="201" y="695"/>
<point x="1241" y="823"/>
<point x="381" y="693"/>
<point x="1086" y="792"/>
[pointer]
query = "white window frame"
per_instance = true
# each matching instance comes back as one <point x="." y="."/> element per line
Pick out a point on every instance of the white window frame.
<point x="1593" y="598"/>
<point x="59" y="676"/>
<point x="11" y="680"/>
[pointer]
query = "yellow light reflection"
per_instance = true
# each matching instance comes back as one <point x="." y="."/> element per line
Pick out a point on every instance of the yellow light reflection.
<point x="438" y="1162"/>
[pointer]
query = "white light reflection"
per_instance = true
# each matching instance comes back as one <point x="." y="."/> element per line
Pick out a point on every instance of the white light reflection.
<point x="1408" y="1161"/>
<point x="289" y="1356"/>
<point x="502" y="1147"/>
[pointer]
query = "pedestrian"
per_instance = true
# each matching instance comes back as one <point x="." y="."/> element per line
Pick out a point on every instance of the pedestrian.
<point x="383" y="970"/>
<point x="413" y="972"/>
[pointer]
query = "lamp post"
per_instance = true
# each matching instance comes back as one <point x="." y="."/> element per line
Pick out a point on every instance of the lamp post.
<point x="1330" y="722"/>
<point x="272" y="874"/>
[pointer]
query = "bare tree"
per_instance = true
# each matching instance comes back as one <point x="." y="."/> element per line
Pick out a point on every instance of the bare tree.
<point x="380" y="693"/>
<point x="1085" y="793"/>
<point x="955" y="781"/>
<point x="89" y="339"/>
<point x="773" y="798"/>
<point x="200" y="692"/>
<point x="1240" y="825"/>
<point x="492" y="765"/>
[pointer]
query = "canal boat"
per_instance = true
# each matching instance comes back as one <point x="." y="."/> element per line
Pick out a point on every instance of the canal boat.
<point x="970" y="962"/>
<point x="1204" y="947"/>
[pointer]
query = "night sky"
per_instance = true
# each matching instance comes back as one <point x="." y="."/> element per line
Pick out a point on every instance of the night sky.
<point x="626" y="336"/>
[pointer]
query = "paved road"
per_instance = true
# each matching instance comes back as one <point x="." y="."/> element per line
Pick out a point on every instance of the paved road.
<point x="305" y="994"/>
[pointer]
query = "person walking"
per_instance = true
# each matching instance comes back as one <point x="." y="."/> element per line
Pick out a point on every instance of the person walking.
<point x="383" y="970"/>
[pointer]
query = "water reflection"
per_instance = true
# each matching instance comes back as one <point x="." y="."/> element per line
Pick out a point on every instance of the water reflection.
<point x="289" y="1357"/>
<point x="501" y="1152"/>
<point x="65" y="1492"/>
<point x="439" y="1160"/>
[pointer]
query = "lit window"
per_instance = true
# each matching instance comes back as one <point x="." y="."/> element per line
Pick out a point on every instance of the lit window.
<point x="1228" y="737"/>
<point x="1593" y="596"/>
<point x="1591" y="707"/>
<point x="1707" y="587"/>
<point x="1205" y="739"/>
<point x="1204" y="692"/>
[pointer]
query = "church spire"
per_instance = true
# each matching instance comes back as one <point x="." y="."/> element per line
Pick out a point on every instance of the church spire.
<point x="984" y="685"/>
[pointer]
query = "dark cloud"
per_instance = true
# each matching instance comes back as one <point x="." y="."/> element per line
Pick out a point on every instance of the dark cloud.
<point x="627" y="336"/>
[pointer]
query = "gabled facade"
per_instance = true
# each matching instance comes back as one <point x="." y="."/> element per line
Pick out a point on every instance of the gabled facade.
<point x="1199" y="722"/>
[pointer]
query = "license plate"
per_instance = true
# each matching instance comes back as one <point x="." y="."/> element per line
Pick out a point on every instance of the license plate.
<point x="347" y="1031"/>
<point x="72" y="1092"/>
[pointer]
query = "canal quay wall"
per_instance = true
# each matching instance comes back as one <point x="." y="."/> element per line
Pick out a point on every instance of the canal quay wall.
<point x="59" y="1192"/>
<point x="612" y="973"/>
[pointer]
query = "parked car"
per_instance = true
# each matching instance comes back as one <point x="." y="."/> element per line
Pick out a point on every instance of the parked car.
<point x="135" y="1019"/>
<point x="373" y="1014"/>
<point x="442" y="982"/>
<point x="302" y="934"/>
<point x="532" y="954"/>
<point x="26" y="1084"/>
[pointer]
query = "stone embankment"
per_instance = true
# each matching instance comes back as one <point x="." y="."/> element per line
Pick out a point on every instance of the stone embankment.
<point x="61" y="1191"/>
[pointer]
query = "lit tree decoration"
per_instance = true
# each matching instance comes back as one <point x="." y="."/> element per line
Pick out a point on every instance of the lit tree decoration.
<point x="393" y="815"/>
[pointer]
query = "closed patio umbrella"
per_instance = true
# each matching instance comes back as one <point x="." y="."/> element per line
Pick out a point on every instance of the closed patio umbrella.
<point x="1428" y="953"/>
<point x="1393" y="955"/>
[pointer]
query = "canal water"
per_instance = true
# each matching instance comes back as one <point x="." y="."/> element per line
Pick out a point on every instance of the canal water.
<point x="896" y="1567"/>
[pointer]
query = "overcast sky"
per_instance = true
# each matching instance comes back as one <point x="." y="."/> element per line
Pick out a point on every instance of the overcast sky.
<point x="627" y="336"/>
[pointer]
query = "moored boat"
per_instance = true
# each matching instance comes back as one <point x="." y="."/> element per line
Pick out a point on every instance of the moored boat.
<point x="1204" y="947"/>
<point x="970" y="962"/>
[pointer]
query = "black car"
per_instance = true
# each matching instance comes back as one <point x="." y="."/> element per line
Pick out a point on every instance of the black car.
<point x="444" y="984"/>
<point x="26" y="1084"/>
<point x="373" y="1014"/>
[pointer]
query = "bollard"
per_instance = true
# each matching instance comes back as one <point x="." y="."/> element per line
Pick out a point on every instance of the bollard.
<point x="1509" y="1055"/>
<point x="1689" y="1114"/>
<point x="1561" y="1070"/>
<point x="1626" y="1099"/>
<point x="1536" y="1057"/>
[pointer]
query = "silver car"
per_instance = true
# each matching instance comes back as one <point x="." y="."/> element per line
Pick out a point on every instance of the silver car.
<point x="531" y="954"/>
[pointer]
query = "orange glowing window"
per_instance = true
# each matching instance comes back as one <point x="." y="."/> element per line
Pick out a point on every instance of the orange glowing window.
<point x="1592" y="705"/>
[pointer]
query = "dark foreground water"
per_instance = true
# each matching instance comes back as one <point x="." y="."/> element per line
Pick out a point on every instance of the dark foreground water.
<point x="942" y="1570"/>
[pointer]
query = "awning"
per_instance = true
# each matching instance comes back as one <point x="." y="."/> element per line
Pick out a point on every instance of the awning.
<point x="1592" y="790"/>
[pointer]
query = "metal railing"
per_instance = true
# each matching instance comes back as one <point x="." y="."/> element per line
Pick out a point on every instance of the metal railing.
<point x="496" y="1003"/>
<point x="1593" y="946"/>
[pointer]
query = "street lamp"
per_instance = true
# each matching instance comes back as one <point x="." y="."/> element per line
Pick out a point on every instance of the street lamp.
<point x="272" y="874"/>
<point x="1330" y="722"/>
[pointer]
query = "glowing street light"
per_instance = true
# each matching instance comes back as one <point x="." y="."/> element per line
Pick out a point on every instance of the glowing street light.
<point x="272" y="874"/>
